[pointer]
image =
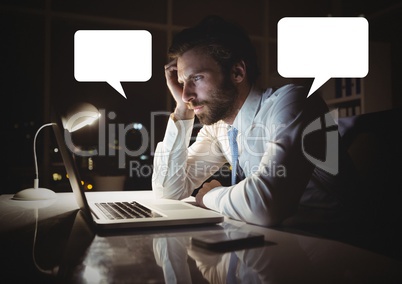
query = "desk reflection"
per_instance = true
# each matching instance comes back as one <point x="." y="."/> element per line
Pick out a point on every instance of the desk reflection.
<point x="299" y="260"/>
<point x="265" y="264"/>
<point x="66" y="245"/>
<point x="167" y="256"/>
<point x="80" y="238"/>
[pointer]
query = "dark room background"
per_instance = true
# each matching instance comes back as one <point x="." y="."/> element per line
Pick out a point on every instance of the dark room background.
<point x="37" y="72"/>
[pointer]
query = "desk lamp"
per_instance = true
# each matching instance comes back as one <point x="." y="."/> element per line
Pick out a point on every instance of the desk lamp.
<point x="76" y="118"/>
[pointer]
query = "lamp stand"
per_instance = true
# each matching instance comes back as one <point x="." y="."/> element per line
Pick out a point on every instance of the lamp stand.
<point x="36" y="192"/>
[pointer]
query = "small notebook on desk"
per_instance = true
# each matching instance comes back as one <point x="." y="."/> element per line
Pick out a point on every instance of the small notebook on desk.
<point x="128" y="213"/>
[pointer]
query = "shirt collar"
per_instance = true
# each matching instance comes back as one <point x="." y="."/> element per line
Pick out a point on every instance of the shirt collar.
<point x="248" y="110"/>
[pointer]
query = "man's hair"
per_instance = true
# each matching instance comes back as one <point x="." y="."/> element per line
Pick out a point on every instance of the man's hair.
<point x="225" y="42"/>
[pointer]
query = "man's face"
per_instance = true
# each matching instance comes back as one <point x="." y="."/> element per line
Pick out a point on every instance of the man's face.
<point x="206" y="90"/>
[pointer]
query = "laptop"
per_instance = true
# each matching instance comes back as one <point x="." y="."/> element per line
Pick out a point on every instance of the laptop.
<point x="108" y="213"/>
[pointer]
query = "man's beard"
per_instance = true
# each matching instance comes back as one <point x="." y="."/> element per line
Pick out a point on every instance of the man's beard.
<point x="220" y="104"/>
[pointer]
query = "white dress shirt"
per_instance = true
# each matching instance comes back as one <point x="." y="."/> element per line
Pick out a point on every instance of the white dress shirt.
<point x="270" y="132"/>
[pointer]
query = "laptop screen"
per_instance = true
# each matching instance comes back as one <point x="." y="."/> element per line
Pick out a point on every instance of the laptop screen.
<point x="69" y="164"/>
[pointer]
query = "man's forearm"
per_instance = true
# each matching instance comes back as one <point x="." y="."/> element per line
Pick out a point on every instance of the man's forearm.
<point x="170" y="160"/>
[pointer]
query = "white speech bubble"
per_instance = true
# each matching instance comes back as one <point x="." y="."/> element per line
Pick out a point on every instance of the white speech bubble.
<point x="323" y="48"/>
<point x="113" y="56"/>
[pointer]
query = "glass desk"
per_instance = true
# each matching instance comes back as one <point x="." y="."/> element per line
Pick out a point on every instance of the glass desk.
<point x="68" y="251"/>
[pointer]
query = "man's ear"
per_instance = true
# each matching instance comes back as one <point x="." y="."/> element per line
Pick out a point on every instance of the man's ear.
<point x="238" y="73"/>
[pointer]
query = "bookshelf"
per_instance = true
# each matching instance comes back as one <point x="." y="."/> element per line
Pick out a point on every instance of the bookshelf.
<point x="346" y="95"/>
<point x="354" y="96"/>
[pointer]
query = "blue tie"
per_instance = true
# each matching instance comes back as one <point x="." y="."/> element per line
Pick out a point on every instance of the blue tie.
<point x="232" y="133"/>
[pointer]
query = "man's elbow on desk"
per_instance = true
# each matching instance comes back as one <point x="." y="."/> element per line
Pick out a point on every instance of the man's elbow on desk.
<point x="270" y="214"/>
<point x="218" y="198"/>
<point x="266" y="217"/>
<point x="261" y="214"/>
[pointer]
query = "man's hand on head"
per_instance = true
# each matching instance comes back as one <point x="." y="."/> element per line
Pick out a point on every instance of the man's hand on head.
<point x="175" y="88"/>
<point x="182" y="110"/>
<point x="206" y="187"/>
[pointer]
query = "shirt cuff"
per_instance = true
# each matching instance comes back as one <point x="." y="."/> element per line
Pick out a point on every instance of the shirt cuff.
<point x="212" y="198"/>
<point x="175" y="130"/>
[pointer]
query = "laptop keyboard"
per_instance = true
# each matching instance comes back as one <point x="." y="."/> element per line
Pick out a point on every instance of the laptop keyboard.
<point x="125" y="210"/>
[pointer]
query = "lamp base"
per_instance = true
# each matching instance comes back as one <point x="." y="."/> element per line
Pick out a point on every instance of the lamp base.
<point x="32" y="194"/>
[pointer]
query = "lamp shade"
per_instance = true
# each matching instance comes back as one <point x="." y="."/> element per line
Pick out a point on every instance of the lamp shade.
<point x="80" y="115"/>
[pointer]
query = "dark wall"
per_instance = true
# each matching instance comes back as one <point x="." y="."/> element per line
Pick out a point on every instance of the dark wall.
<point x="37" y="65"/>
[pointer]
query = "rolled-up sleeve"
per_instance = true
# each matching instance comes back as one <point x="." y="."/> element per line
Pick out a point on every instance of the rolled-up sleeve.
<point x="170" y="160"/>
<point x="180" y="168"/>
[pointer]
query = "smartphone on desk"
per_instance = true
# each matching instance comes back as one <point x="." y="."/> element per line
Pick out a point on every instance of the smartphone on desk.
<point x="228" y="240"/>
